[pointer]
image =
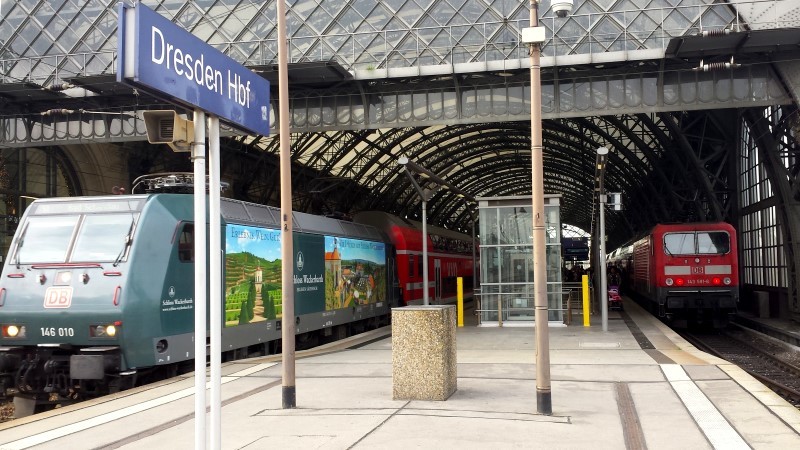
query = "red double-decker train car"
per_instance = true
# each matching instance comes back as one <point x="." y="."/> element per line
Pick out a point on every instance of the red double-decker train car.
<point x="450" y="255"/>
<point x="684" y="273"/>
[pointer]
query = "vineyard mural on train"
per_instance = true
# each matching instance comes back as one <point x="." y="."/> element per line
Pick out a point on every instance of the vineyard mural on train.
<point x="252" y="275"/>
<point x="352" y="272"/>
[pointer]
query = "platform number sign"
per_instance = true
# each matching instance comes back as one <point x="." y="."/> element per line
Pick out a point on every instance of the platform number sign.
<point x="58" y="297"/>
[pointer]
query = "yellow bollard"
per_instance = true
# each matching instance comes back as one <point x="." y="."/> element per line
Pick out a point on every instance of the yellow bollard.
<point x="585" y="289"/>
<point x="460" y="297"/>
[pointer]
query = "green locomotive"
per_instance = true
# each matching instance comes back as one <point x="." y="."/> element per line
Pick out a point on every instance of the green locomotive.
<point x="97" y="292"/>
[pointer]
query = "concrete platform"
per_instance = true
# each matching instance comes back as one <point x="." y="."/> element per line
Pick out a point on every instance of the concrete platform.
<point x="638" y="385"/>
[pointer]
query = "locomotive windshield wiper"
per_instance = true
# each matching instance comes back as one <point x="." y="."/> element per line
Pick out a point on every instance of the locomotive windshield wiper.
<point x="16" y="251"/>
<point x="20" y="241"/>
<point x="128" y="240"/>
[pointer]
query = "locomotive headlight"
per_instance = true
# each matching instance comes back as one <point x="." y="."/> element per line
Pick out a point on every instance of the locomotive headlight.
<point x="716" y="281"/>
<point x="727" y="280"/>
<point x="64" y="278"/>
<point x="14" y="331"/>
<point x="680" y="281"/>
<point x="668" y="281"/>
<point x="104" y="331"/>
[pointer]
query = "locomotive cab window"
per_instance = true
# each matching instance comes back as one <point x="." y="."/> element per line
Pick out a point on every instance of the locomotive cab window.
<point x="75" y="238"/>
<point x="186" y="243"/>
<point x="103" y="238"/>
<point x="46" y="239"/>
<point x="697" y="243"/>
<point x="713" y="243"/>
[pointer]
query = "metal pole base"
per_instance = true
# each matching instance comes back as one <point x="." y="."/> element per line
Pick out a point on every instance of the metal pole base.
<point x="544" y="403"/>
<point x="289" y="397"/>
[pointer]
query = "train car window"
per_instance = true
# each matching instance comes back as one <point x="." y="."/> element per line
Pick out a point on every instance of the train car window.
<point x="419" y="266"/>
<point x="103" y="238"/>
<point x="713" y="243"/>
<point x="186" y="243"/>
<point x="46" y="239"/>
<point x="679" y="244"/>
<point x="410" y="265"/>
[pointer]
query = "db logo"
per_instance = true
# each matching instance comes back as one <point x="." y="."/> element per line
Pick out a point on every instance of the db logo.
<point x="58" y="297"/>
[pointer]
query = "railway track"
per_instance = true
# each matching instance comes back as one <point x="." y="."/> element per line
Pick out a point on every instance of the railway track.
<point x="354" y="341"/>
<point x="773" y="364"/>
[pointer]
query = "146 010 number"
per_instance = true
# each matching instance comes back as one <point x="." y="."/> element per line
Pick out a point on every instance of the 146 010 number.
<point x="60" y="332"/>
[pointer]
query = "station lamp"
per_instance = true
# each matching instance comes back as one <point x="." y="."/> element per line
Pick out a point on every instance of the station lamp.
<point x="408" y="167"/>
<point x="535" y="37"/>
<point x="602" y="156"/>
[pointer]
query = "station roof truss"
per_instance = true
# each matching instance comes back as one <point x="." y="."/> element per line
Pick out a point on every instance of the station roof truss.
<point x="363" y="83"/>
<point x="668" y="166"/>
<point x="672" y="165"/>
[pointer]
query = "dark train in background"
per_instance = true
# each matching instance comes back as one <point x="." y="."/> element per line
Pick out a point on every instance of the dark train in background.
<point x="687" y="274"/>
<point x="97" y="292"/>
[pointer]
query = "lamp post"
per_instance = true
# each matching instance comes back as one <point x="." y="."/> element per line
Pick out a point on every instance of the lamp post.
<point x="425" y="194"/>
<point x="535" y="37"/>
<point x="408" y="167"/>
<point x="602" y="154"/>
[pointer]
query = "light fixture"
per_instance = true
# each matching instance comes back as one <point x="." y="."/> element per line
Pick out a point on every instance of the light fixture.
<point x="426" y="193"/>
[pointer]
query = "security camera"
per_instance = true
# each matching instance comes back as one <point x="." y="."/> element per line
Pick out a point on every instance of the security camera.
<point x="561" y="7"/>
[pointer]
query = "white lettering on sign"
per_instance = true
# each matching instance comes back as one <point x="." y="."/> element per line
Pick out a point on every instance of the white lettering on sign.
<point x="237" y="91"/>
<point x="193" y="68"/>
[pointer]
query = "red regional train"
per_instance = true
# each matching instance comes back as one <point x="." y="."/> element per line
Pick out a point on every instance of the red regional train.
<point x="450" y="255"/>
<point x="687" y="274"/>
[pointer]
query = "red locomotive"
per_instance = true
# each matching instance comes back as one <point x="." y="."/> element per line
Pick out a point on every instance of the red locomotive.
<point x="450" y="255"/>
<point x="684" y="273"/>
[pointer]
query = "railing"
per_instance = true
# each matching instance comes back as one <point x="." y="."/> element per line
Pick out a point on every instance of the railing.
<point x="572" y="301"/>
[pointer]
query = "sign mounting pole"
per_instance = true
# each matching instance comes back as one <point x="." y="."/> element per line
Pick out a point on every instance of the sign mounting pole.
<point x="161" y="58"/>
<point x="199" y="158"/>
<point x="215" y="289"/>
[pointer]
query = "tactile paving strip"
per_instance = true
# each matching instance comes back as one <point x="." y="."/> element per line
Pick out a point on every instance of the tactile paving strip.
<point x="718" y="431"/>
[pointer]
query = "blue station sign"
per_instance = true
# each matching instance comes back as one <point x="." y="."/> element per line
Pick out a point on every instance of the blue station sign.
<point x="163" y="58"/>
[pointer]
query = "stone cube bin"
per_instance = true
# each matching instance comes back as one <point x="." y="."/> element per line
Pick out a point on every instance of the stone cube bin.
<point x="423" y="352"/>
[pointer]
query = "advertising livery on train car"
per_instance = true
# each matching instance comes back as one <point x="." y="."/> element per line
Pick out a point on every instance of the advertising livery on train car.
<point x="99" y="291"/>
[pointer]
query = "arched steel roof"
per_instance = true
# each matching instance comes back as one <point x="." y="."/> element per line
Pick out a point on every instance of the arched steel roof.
<point x="669" y="166"/>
